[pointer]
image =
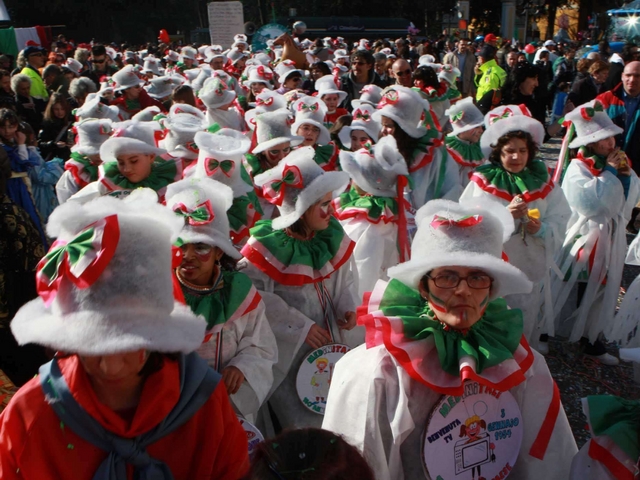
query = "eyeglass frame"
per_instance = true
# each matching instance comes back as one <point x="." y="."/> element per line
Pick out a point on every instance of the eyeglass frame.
<point x="460" y="278"/>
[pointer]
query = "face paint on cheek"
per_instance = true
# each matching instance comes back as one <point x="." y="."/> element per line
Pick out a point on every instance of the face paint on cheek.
<point x="204" y="254"/>
<point x="437" y="304"/>
<point x="484" y="303"/>
<point x="324" y="211"/>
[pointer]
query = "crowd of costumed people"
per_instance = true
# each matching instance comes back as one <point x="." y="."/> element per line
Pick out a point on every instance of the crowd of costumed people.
<point x="321" y="260"/>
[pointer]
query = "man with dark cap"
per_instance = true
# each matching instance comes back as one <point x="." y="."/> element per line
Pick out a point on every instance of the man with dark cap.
<point x="36" y="59"/>
<point x="490" y="78"/>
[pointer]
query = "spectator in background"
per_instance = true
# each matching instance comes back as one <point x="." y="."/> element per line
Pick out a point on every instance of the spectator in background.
<point x="489" y="80"/>
<point x="35" y="61"/>
<point x="53" y="137"/>
<point x="100" y="65"/>
<point x="604" y="50"/>
<point x="564" y="68"/>
<point x="381" y="68"/>
<point x="401" y="71"/>
<point x="6" y="94"/>
<point x="588" y="88"/>
<point x="362" y="73"/>
<point x="79" y="89"/>
<point x="184" y="94"/>
<point x="26" y="105"/>
<point x="464" y="60"/>
<point x="629" y="53"/>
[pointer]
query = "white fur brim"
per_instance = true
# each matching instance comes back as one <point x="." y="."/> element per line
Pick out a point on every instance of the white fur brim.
<point x="182" y="152"/>
<point x="323" y="139"/>
<point x="352" y="167"/>
<point x="124" y="87"/>
<point x="345" y="134"/>
<point x="610" y="131"/>
<point x="193" y="235"/>
<point x="228" y="97"/>
<point x="507" y="279"/>
<point x="334" y="182"/>
<point x="161" y="95"/>
<point x="115" y="146"/>
<point x="512" y="124"/>
<point x="466" y="128"/>
<point x="293" y="140"/>
<point x="247" y="83"/>
<point x="86" y="149"/>
<point x="104" y="333"/>
<point x="341" y="95"/>
<point x="414" y="131"/>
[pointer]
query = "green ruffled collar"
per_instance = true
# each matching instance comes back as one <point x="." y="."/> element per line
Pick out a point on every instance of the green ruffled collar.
<point x="470" y="154"/>
<point x="351" y="204"/>
<point x="533" y="182"/>
<point x="163" y="172"/>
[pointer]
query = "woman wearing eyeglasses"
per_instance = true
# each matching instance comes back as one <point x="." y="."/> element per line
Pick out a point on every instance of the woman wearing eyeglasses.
<point x="309" y="124"/>
<point x="446" y="384"/>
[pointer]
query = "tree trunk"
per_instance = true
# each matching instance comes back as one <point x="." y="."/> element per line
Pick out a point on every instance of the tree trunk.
<point x="551" y="19"/>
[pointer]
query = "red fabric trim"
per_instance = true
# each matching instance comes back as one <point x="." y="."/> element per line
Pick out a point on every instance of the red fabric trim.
<point x="291" y="279"/>
<point x="427" y="158"/>
<point x="540" y="444"/>
<point x="604" y="456"/>
<point x="481" y="181"/>
<point x="254" y="303"/>
<point x="357" y="213"/>
<point x="461" y="161"/>
<point x="75" y="173"/>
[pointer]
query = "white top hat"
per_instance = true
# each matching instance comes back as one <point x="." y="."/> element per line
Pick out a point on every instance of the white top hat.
<point x="192" y="74"/>
<point x="296" y="183"/>
<point x="450" y="234"/>
<point x="73" y="65"/>
<point x="285" y="69"/>
<point x="207" y="201"/>
<point x="266" y="101"/>
<point x="221" y="158"/>
<point x="160" y="87"/>
<point x="341" y="53"/>
<point x="212" y="55"/>
<point x="426" y="59"/>
<point x="326" y="86"/>
<point x="146" y="114"/>
<point x="376" y="169"/>
<point x="259" y="74"/>
<point x="449" y="74"/>
<point x="131" y="137"/>
<point x="181" y="130"/>
<point x="238" y="43"/>
<point x="505" y="119"/>
<point x="234" y="55"/>
<point x="405" y="107"/>
<point x="171" y="56"/>
<point x="274" y="128"/>
<point x="263" y="59"/>
<point x="549" y="43"/>
<point x="91" y="134"/>
<point x="94" y="108"/>
<point x="464" y="116"/>
<point x="592" y="124"/>
<point x="311" y="111"/>
<point x="106" y="87"/>
<point x="152" y="64"/>
<point x="118" y="296"/>
<point x="370" y="94"/>
<point x="186" y="108"/>
<point x="188" y="53"/>
<point x="239" y="37"/>
<point x="215" y="93"/>
<point x="126" y="78"/>
<point x="362" y="119"/>
<point x="112" y="53"/>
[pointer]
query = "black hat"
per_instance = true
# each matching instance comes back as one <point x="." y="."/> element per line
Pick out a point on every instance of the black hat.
<point x="33" y="49"/>
<point x="488" y="52"/>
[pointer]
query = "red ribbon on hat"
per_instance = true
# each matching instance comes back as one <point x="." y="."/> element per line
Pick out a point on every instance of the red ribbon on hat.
<point x="589" y="112"/>
<point x="493" y="118"/>
<point x="463" y="222"/>
<point x="274" y="191"/>
<point x="264" y="73"/>
<point x="391" y="97"/>
<point x="192" y="147"/>
<point x="201" y="214"/>
<point x="368" y="149"/>
<point x="360" y="115"/>
<point x="81" y="260"/>
<point x="212" y="165"/>
<point x="266" y="103"/>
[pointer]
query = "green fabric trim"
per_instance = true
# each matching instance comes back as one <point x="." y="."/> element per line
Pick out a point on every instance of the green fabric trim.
<point x="422" y="147"/>
<point x="163" y="173"/>
<point x="237" y="214"/>
<point x="530" y="179"/>
<point x="218" y="306"/>
<point x="599" y="163"/>
<point x="470" y="152"/>
<point x="315" y="252"/>
<point x="617" y="418"/>
<point x="375" y="206"/>
<point x="87" y="166"/>
<point x="254" y="163"/>
<point x="492" y="340"/>
<point x="323" y="154"/>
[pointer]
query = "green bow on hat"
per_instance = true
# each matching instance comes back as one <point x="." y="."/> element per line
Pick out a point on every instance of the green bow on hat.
<point x="202" y="214"/>
<point x="291" y="178"/>
<point x="589" y="112"/>
<point x="226" y="166"/>
<point x="457" y="117"/>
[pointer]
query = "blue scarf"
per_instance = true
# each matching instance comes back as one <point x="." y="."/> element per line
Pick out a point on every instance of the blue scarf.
<point x="197" y="383"/>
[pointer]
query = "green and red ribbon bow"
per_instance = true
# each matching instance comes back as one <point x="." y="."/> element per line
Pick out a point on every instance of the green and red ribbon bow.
<point x="202" y="214"/>
<point x="81" y="260"/>
<point x="360" y="115"/>
<point x="220" y="88"/>
<point x="493" y="118"/>
<point x="391" y="97"/>
<point x="468" y="221"/>
<point x="368" y="149"/>
<point x="274" y="191"/>
<point x="263" y="73"/>
<point x="211" y="166"/>
<point x="457" y="117"/>
<point x="264" y="103"/>
<point x="312" y="107"/>
<point x="589" y="112"/>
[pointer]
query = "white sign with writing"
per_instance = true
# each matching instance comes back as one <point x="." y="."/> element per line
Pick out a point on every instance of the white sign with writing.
<point x="226" y="19"/>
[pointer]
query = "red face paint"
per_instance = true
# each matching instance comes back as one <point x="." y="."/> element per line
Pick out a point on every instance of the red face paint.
<point x="203" y="253"/>
<point x="325" y="211"/>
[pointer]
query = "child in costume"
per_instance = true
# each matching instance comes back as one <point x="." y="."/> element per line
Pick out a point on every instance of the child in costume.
<point x="309" y="124"/>
<point x="442" y="347"/>
<point x="220" y="158"/>
<point x="406" y="116"/>
<point x="126" y="392"/>
<point x="182" y="124"/>
<point x="131" y="159"/>
<point x="373" y="211"/>
<point x="82" y="168"/>
<point x="221" y="110"/>
<point x="362" y="130"/>
<point x="463" y="143"/>
<point x="133" y="97"/>
<point x="602" y="190"/>
<point x="239" y="343"/>
<point x="259" y="78"/>
<point x="515" y="179"/>
<point x="437" y="92"/>
<point x="332" y="97"/>
<point x="302" y="264"/>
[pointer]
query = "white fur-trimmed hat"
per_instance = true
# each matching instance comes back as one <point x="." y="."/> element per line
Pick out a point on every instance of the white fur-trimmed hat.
<point x="234" y="55"/>
<point x="326" y="86"/>
<point x="311" y="111"/>
<point x="274" y="128"/>
<point x="259" y="74"/>
<point x="405" y="107"/>
<point x="448" y="73"/>
<point x="592" y="124"/>
<point x="450" y="234"/>
<point x="362" y="119"/>
<point x="304" y="183"/>
<point x="171" y="56"/>
<point x="221" y="158"/>
<point x="118" y="296"/>
<point x="202" y="203"/>
<point x="131" y="137"/>
<point x="160" y="87"/>
<point x="125" y="78"/>
<point x="94" y="108"/>
<point x="266" y="101"/>
<point x="73" y="65"/>
<point x="91" y="134"/>
<point x="376" y="169"/>
<point x="180" y="133"/>
<point x="426" y="59"/>
<point x="152" y="64"/>
<point x="340" y="53"/>
<point x="464" y="116"/>
<point x="188" y="53"/>
<point x="285" y="69"/>
<point x="370" y="94"/>
<point x="505" y="119"/>
<point x="215" y="93"/>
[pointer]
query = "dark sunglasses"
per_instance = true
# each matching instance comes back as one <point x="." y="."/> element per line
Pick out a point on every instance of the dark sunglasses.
<point x="403" y="73"/>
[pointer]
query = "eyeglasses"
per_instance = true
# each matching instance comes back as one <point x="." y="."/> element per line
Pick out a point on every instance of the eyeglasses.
<point x="358" y="63"/>
<point x="274" y="153"/>
<point x="310" y="128"/>
<point x="403" y="73"/>
<point x="37" y="54"/>
<point x="476" y="281"/>
<point x="101" y="60"/>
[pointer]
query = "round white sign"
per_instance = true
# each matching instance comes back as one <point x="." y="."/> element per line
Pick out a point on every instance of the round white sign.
<point x="254" y="436"/>
<point x="315" y="373"/>
<point x="477" y="435"/>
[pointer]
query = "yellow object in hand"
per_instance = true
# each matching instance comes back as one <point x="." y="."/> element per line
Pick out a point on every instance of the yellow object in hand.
<point x="534" y="213"/>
